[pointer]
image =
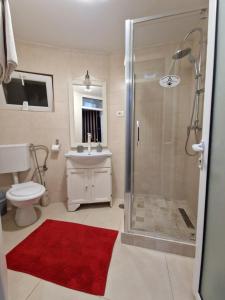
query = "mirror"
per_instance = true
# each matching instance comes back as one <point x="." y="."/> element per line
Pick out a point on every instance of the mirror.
<point x="88" y="113"/>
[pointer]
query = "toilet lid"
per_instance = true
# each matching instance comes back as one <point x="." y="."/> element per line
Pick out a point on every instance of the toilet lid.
<point x="25" y="189"/>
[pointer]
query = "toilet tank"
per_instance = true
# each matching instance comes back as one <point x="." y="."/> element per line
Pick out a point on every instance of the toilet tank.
<point x="14" y="158"/>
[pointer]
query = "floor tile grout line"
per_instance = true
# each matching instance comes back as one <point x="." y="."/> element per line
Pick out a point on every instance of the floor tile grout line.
<point x="39" y="282"/>
<point x="170" y="280"/>
<point x="85" y="217"/>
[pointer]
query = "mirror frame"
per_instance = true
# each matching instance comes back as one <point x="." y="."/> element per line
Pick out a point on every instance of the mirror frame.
<point x="73" y="142"/>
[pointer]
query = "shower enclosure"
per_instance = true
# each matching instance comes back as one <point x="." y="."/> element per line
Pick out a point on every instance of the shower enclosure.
<point x="165" y="63"/>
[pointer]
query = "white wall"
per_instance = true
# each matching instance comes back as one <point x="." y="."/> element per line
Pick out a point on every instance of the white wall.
<point x="45" y="127"/>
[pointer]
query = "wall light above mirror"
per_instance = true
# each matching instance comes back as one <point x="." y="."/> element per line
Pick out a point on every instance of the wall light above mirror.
<point x="88" y="111"/>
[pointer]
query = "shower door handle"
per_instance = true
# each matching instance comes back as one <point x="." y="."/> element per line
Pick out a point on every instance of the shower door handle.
<point x="138" y="133"/>
<point x="200" y="149"/>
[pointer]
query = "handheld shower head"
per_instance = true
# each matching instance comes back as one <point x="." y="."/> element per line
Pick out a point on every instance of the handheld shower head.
<point x="180" y="53"/>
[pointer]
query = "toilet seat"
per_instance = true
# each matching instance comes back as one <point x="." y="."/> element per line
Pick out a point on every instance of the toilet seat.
<point x="25" y="191"/>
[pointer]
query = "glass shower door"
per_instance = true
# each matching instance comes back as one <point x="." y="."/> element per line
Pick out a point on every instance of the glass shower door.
<point x="163" y="179"/>
<point x="148" y="131"/>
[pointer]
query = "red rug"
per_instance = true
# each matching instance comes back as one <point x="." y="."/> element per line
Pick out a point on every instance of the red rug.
<point x="72" y="255"/>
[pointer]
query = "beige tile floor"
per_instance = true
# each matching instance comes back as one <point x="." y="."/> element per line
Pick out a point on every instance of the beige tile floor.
<point x="161" y="217"/>
<point x="134" y="273"/>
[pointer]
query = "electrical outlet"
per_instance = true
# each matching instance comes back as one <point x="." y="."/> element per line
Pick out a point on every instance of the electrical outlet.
<point x="120" y="113"/>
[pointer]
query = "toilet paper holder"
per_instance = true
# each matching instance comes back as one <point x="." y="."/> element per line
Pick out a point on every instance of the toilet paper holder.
<point x="56" y="147"/>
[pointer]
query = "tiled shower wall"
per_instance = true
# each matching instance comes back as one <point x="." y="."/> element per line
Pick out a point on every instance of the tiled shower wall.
<point x="161" y="166"/>
<point x="46" y="127"/>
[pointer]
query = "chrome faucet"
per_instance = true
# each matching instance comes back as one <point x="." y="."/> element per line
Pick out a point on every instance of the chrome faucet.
<point x="89" y="143"/>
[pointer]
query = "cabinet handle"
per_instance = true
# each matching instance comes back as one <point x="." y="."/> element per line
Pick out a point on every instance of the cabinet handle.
<point x="86" y="188"/>
<point x="93" y="185"/>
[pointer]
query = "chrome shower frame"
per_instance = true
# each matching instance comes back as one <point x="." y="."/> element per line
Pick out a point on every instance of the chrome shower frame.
<point x="133" y="236"/>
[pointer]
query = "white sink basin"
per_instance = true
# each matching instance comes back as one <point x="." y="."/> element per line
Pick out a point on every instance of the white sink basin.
<point x="85" y="154"/>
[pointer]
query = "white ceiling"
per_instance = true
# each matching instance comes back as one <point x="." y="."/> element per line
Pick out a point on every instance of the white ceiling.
<point x="86" y="24"/>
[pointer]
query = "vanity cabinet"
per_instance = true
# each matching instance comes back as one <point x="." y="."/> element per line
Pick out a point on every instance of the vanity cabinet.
<point x="89" y="180"/>
<point x="78" y="186"/>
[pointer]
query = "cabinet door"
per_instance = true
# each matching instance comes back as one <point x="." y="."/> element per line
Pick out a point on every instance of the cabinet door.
<point x="101" y="185"/>
<point x="78" y="187"/>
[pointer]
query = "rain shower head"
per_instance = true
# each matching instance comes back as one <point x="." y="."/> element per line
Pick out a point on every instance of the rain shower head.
<point x="181" y="53"/>
<point x="172" y="79"/>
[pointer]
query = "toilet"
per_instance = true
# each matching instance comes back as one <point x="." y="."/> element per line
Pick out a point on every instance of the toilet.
<point x="14" y="159"/>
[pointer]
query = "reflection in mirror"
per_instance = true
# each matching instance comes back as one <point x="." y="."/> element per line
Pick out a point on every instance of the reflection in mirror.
<point x="89" y="113"/>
